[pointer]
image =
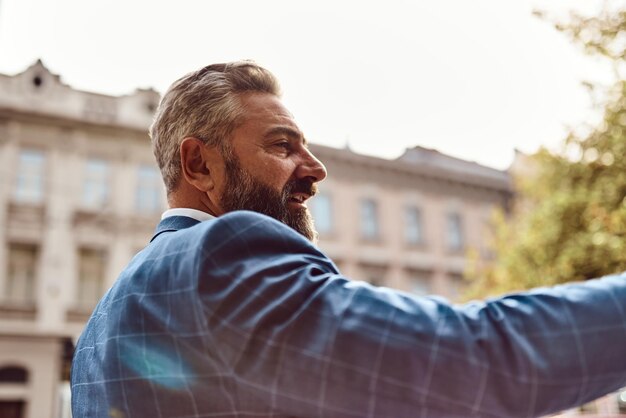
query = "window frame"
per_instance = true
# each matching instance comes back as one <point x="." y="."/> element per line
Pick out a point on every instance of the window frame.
<point x="369" y="210"/>
<point x="101" y="182"/>
<point x="30" y="174"/>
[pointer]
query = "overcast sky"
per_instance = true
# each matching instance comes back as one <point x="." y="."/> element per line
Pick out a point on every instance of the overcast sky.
<point x="474" y="79"/>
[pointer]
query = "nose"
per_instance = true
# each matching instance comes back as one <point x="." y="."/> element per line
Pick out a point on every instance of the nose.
<point x="311" y="167"/>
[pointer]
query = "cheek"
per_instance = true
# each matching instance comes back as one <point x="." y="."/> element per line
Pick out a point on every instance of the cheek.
<point x="277" y="175"/>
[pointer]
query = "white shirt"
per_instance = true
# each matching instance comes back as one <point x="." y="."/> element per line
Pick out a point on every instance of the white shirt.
<point x="188" y="212"/>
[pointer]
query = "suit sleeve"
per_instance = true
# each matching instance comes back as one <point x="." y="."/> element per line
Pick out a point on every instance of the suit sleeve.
<point x="294" y="334"/>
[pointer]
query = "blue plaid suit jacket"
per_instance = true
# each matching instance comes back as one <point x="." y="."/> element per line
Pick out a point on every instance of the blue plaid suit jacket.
<point x="242" y="317"/>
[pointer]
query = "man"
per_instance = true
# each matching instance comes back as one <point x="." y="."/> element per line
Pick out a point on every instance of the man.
<point x="234" y="313"/>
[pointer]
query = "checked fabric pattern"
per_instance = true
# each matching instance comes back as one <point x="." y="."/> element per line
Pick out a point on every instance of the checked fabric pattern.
<point x="242" y="317"/>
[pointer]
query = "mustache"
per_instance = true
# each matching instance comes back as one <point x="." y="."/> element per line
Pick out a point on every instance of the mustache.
<point x="303" y="185"/>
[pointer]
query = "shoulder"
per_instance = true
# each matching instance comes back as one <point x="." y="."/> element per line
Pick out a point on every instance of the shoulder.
<point x="241" y="227"/>
<point x="248" y="220"/>
<point x="235" y="241"/>
<point x="244" y="236"/>
<point x="237" y="226"/>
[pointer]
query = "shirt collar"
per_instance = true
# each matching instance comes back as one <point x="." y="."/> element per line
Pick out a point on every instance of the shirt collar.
<point x="188" y="212"/>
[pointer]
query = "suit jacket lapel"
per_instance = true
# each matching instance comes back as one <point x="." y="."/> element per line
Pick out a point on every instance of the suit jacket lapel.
<point x="173" y="223"/>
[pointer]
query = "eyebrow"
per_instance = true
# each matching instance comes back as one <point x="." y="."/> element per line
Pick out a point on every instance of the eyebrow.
<point x="290" y="132"/>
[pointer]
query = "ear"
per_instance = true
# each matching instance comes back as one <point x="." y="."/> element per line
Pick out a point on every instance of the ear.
<point x="195" y="162"/>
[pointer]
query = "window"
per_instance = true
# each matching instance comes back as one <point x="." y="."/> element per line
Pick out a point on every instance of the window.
<point x="22" y="273"/>
<point x="321" y="209"/>
<point x="420" y="282"/>
<point x="90" y="276"/>
<point x="413" y="231"/>
<point x="456" y="286"/>
<point x="454" y="229"/>
<point x="30" y="173"/>
<point x="13" y="374"/>
<point x="369" y="219"/>
<point x="95" y="189"/>
<point x="12" y="409"/>
<point x="374" y="274"/>
<point x="149" y="189"/>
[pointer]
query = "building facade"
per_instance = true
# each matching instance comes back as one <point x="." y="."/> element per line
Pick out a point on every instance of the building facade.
<point x="407" y="223"/>
<point x="80" y="194"/>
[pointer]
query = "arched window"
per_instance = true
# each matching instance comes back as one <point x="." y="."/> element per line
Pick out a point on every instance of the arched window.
<point x="13" y="374"/>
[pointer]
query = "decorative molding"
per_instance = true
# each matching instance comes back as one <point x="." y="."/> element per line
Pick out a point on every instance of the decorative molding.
<point x="18" y="311"/>
<point x="404" y="172"/>
<point x="78" y="314"/>
<point x="38" y="91"/>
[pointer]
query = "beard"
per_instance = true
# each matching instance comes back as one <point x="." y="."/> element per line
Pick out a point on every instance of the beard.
<point x="243" y="192"/>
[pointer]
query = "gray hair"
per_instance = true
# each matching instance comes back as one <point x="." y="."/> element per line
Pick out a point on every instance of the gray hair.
<point x="204" y="104"/>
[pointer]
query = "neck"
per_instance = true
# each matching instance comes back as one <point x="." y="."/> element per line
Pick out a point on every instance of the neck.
<point x="197" y="201"/>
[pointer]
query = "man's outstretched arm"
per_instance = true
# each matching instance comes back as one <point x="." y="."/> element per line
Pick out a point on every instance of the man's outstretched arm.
<point x="294" y="334"/>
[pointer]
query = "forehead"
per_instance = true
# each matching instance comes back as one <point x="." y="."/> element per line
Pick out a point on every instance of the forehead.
<point x="264" y="111"/>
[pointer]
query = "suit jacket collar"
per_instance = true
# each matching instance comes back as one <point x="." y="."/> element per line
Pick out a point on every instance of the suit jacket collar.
<point x="173" y="223"/>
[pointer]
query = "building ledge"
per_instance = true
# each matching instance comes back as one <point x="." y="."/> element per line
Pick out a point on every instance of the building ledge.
<point x="18" y="310"/>
<point x="79" y="314"/>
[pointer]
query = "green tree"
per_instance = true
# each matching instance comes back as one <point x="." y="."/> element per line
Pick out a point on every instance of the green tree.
<point x="569" y="222"/>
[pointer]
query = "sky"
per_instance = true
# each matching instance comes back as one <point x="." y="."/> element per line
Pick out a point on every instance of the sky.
<point x="473" y="79"/>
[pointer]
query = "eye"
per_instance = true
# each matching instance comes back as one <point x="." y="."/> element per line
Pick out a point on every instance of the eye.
<point x="286" y="145"/>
